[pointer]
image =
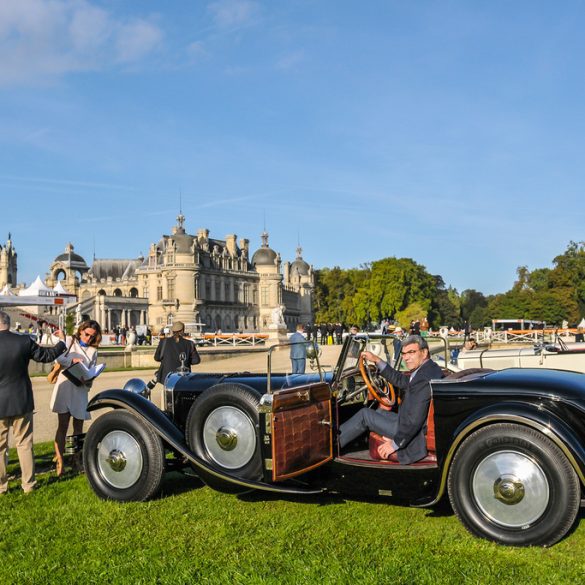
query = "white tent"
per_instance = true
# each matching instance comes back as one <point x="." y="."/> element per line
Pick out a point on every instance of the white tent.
<point x="582" y="323"/>
<point x="6" y="291"/>
<point x="59" y="289"/>
<point x="37" y="288"/>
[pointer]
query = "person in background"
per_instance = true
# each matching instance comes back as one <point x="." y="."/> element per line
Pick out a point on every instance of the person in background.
<point x="323" y="333"/>
<point x="16" y="397"/>
<point x="69" y="400"/>
<point x="469" y="345"/>
<point x="338" y="333"/>
<point x="169" y="350"/>
<point x="298" y="351"/>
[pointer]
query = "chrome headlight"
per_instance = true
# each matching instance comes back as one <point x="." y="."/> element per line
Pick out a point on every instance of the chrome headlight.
<point x="137" y="386"/>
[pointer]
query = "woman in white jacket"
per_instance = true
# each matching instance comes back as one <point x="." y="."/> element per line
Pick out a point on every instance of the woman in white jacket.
<point x="69" y="400"/>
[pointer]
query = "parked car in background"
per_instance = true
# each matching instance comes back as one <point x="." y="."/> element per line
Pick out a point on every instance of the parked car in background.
<point x="556" y="356"/>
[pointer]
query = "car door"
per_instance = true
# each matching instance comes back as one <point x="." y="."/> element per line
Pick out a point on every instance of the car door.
<point x="301" y="427"/>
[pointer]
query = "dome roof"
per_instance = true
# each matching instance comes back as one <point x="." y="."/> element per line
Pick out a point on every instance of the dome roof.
<point x="70" y="257"/>
<point x="182" y="240"/>
<point x="183" y="243"/>
<point x="264" y="256"/>
<point x="299" y="266"/>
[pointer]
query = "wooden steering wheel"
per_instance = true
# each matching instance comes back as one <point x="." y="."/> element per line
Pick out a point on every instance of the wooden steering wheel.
<point x="378" y="386"/>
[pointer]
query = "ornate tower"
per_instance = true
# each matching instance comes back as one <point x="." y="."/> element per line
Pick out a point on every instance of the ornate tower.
<point x="7" y="264"/>
<point x="69" y="267"/>
<point x="267" y="264"/>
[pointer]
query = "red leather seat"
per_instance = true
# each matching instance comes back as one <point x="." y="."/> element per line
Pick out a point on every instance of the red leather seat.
<point x="376" y="440"/>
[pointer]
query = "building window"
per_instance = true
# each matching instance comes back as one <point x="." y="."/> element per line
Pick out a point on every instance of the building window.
<point x="171" y="289"/>
<point x="264" y="295"/>
<point x="207" y="290"/>
<point x="254" y="295"/>
<point x="227" y="292"/>
<point x="159" y="293"/>
<point x="246" y="293"/>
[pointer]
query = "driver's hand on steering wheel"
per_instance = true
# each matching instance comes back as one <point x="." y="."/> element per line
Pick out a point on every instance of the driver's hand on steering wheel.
<point x="386" y="448"/>
<point x="371" y="357"/>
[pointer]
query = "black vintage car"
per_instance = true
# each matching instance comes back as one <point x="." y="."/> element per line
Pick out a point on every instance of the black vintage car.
<point x="507" y="447"/>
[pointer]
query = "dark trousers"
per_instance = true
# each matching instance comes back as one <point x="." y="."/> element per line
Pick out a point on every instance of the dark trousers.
<point x="383" y="422"/>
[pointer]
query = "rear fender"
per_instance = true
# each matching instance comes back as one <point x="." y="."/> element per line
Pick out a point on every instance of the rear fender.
<point x="171" y="435"/>
<point x="533" y="416"/>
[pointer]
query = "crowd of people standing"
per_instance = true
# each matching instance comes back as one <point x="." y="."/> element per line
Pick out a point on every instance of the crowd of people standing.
<point x="326" y="333"/>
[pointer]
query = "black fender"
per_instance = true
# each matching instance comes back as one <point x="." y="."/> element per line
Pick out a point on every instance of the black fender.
<point x="535" y="416"/>
<point x="145" y="410"/>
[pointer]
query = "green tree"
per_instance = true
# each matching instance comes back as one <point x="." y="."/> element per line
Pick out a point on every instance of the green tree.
<point x="473" y="307"/>
<point x="335" y="291"/>
<point x="393" y="285"/>
<point x="414" y="312"/>
<point x="539" y="279"/>
<point x="446" y="306"/>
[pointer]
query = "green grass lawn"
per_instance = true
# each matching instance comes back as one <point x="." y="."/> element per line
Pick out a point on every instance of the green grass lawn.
<point x="62" y="533"/>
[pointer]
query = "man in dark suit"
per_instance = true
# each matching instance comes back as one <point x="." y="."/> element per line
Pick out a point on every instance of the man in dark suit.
<point x="16" y="397"/>
<point x="173" y="352"/>
<point x="403" y="431"/>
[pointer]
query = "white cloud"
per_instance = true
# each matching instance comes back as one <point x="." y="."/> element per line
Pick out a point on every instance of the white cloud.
<point x="230" y="14"/>
<point x="89" y="28"/>
<point x="136" y="40"/>
<point x="43" y="40"/>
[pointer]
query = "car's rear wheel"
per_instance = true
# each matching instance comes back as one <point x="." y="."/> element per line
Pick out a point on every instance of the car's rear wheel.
<point x="123" y="458"/>
<point x="513" y="485"/>
<point x="222" y="429"/>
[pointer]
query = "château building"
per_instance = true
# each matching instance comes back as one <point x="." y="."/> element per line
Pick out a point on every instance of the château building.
<point x="192" y="278"/>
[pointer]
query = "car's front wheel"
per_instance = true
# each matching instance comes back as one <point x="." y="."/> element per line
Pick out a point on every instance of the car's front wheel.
<point x="511" y="484"/>
<point x="222" y="429"/>
<point x="123" y="458"/>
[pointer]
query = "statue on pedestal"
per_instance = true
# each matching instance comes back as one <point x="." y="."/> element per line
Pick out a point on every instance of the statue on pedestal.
<point x="278" y="318"/>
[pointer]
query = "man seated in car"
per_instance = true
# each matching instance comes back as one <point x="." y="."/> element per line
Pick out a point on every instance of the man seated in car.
<point x="403" y="431"/>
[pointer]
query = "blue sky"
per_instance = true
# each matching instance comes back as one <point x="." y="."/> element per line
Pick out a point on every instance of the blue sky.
<point x="450" y="132"/>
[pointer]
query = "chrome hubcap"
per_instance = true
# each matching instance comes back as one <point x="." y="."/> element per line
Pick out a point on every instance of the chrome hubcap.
<point x="229" y="437"/>
<point x="119" y="459"/>
<point x="511" y="489"/>
<point x="116" y="460"/>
